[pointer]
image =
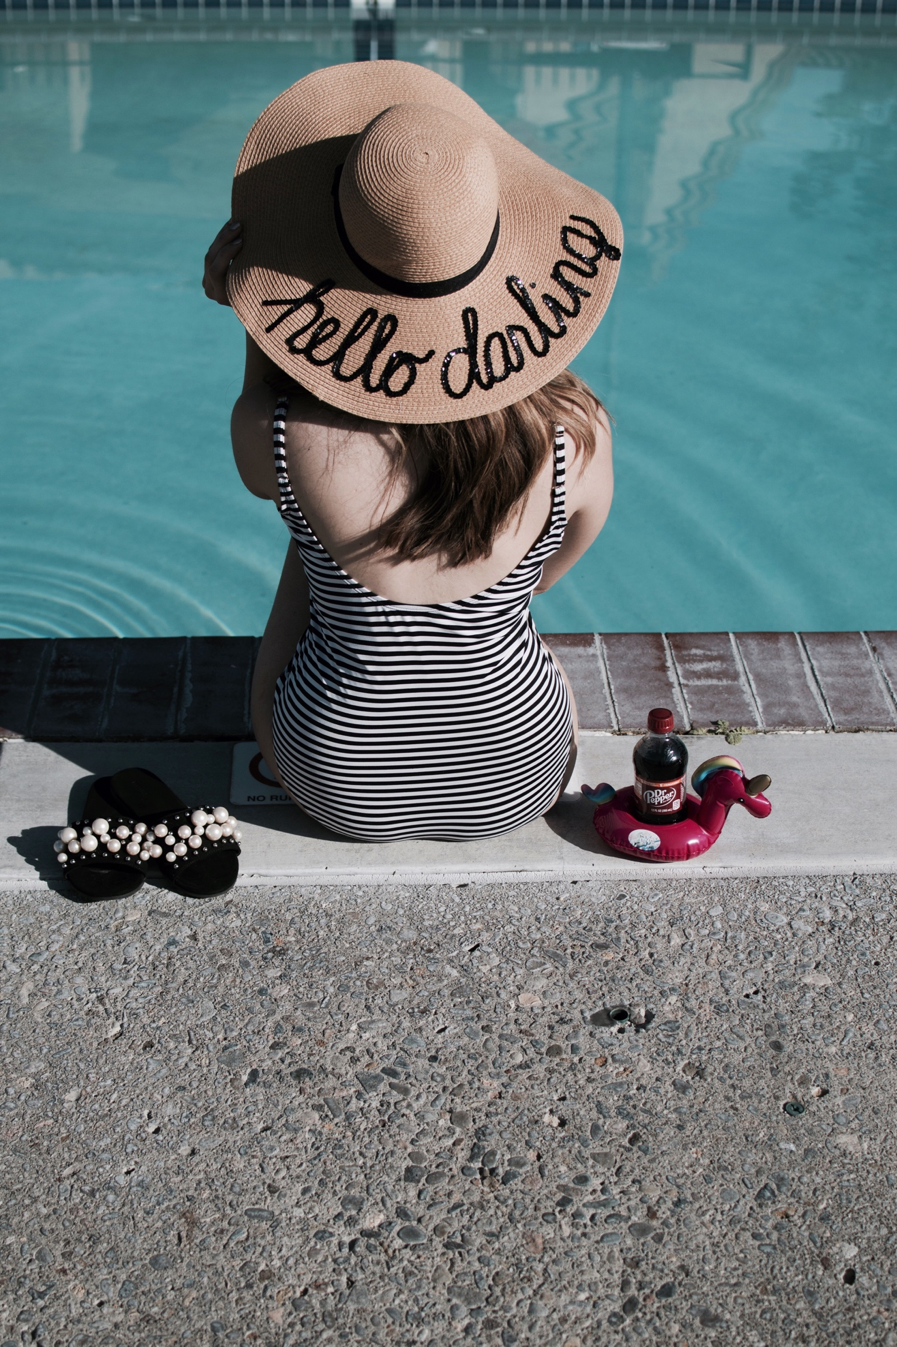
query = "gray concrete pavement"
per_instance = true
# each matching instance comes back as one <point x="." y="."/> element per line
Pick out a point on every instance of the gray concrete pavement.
<point x="399" y="1114"/>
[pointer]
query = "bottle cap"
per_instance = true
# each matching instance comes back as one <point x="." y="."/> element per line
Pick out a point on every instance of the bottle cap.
<point x="660" y="721"/>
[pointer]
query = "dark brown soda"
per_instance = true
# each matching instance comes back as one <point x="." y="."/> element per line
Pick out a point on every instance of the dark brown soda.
<point x="660" y="759"/>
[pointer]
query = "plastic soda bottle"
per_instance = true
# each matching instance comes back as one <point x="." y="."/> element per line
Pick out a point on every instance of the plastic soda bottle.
<point x="661" y="763"/>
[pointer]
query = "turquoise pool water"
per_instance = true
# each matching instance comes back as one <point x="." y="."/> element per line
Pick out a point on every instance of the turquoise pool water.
<point x="748" y="356"/>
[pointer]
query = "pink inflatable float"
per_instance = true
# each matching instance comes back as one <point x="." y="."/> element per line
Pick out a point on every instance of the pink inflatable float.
<point x="718" y="784"/>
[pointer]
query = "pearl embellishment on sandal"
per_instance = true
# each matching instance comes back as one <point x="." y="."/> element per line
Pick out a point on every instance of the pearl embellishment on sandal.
<point x="209" y="828"/>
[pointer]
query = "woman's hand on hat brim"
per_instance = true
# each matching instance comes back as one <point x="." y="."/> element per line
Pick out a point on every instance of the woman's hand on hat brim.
<point x="227" y="243"/>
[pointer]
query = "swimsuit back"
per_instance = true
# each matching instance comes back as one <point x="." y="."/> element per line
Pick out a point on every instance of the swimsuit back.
<point x="445" y="720"/>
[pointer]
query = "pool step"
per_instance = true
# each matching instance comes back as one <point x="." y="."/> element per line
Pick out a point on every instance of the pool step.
<point x="196" y="688"/>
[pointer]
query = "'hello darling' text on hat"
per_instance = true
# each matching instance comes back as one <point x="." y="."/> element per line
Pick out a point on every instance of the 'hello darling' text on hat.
<point x="485" y="362"/>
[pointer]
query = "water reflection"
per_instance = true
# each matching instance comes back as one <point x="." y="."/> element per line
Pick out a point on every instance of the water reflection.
<point x="653" y="124"/>
<point x="747" y="344"/>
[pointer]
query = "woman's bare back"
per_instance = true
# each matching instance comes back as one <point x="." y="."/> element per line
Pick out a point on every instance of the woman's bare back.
<point x="348" y="479"/>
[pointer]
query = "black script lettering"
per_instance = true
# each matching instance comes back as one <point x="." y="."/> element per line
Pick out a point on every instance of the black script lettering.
<point x="383" y="335"/>
<point x="603" y="248"/>
<point x="537" y="339"/>
<point x="323" y="332"/>
<point x="397" y="361"/>
<point x="486" y="377"/>
<point x="400" y="369"/>
<point x="362" y="324"/>
<point x="512" y="330"/>
<point x="589" y="262"/>
<point x="313" y="297"/>
<point x="519" y="292"/>
<point x="508" y="366"/>
<point x="572" y="289"/>
<point x="584" y="266"/>
<point x="470" y="320"/>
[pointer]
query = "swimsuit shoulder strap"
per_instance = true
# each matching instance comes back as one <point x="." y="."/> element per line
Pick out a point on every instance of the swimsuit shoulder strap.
<point x="287" y="499"/>
<point x="559" y="493"/>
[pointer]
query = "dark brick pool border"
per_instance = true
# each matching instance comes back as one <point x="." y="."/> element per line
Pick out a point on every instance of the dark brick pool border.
<point x="197" y="687"/>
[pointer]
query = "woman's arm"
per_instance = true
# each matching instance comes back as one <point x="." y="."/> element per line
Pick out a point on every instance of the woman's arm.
<point x="251" y="418"/>
<point x="589" y="494"/>
<point x="251" y="433"/>
<point x="225" y="247"/>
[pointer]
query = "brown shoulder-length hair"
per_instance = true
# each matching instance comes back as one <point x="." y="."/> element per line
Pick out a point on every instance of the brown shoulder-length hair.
<point x="474" y="475"/>
<point x="477" y="473"/>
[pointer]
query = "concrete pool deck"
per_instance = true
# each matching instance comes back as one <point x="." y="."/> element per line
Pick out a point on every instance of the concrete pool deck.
<point x="824" y="819"/>
<point x="818" y="711"/>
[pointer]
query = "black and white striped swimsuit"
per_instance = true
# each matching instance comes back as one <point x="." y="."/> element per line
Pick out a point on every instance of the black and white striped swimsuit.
<point x="438" y="720"/>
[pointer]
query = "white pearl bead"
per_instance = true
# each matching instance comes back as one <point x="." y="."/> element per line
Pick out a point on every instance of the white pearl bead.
<point x="180" y="848"/>
<point x="232" y="821"/>
<point x="226" y="830"/>
<point x="74" y="846"/>
<point x="137" y="837"/>
<point x="194" y="842"/>
<point x="89" y="842"/>
<point x="122" y="832"/>
<point x="198" y="830"/>
<point x="100" y="826"/>
<point x="213" y="832"/>
<point x="105" y="839"/>
<point x="155" y="851"/>
<point x="66" y="834"/>
<point x="220" y="814"/>
<point x="198" y="816"/>
<point x="144" y="855"/>
<point x="184" y="831"/>
<point x="58" y="846"/>
<point x="238" y="836"/>
<point x="114" y="845"/>
<point x="140" y="828"/>
<point x="170" y="840"/>
<point x="160" y="829"/>
<point x="133" y="849"/>
<point x="62" y="858"/>
<point x="170" y="856"/>
<point x="87" y="831"/>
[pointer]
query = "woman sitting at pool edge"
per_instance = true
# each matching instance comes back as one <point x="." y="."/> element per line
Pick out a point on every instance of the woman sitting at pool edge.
<point x="413" y="283"/>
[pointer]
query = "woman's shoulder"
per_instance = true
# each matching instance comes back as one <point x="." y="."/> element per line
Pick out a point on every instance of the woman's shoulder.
<point x="589" y="475"/>
<point x="321" y="442"/>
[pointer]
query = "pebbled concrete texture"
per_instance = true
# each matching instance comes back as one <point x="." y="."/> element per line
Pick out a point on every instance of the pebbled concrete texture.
<point x="405" y="1114"/>
<point x="832" y="813"/>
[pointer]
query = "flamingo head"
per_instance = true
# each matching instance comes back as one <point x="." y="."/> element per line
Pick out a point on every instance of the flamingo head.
<point x="721" y="782"/>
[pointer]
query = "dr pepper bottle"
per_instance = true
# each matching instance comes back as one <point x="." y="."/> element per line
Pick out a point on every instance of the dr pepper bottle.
<point x="661" y="763"/>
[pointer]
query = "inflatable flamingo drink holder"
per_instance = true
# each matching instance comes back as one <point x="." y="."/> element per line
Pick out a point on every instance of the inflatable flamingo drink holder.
<point x="718" y="784"/>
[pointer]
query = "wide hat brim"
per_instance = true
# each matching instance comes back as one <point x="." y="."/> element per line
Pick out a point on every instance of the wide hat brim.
<point x="360" y="346"/>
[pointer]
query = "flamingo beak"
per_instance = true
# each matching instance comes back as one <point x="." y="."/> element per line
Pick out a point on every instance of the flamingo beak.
<point x="755" y="802"/>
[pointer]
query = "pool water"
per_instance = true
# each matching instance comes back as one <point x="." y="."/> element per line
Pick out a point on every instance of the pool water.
<point x="748" y="355"/>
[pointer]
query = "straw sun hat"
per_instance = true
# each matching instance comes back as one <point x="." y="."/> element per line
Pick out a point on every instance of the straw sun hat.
<point x="404" y="258"/>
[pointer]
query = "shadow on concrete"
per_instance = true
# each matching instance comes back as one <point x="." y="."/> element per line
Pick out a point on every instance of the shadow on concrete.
<point x="35" y="846"/>
<point x="571" y="820"/>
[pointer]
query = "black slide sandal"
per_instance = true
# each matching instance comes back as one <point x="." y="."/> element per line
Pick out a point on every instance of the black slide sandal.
<point x="104" y="854"/>
<point x="197" y="850"/>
